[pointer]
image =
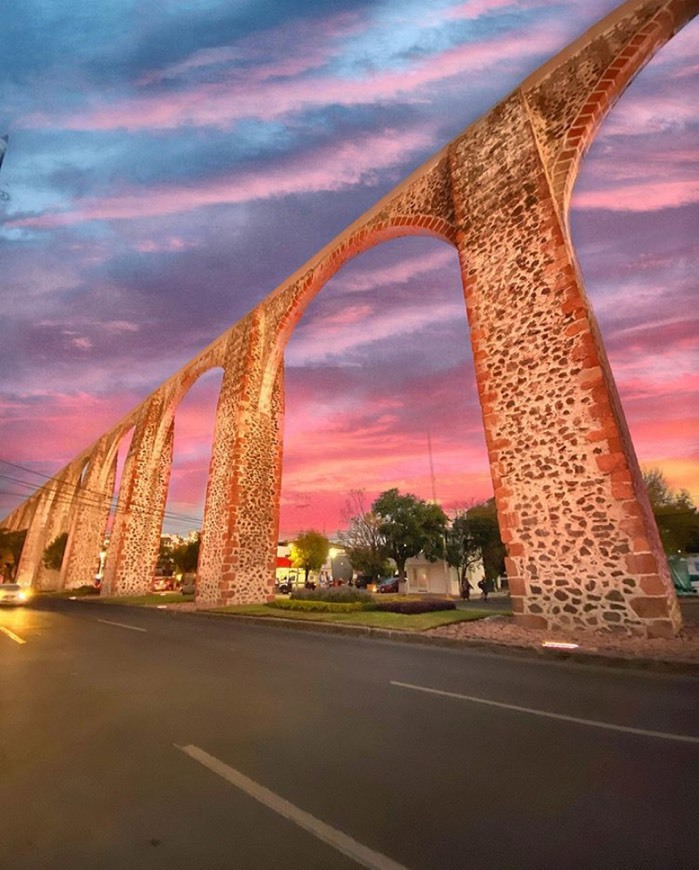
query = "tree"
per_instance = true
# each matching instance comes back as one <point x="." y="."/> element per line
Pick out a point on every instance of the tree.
<point x="363" y="541"/>
<point x="410" y="526"/>
<point x="186" y="556"/>
<point x="11" y="544"/>
<point x="166" y="563"/>
<point x="53" y="554"/>
<point x="675" y="514"/>
<point x="463" y="550"/>
<point x="485" y="517"/>
<point x="474" y="536"/>
<point x="309" y="551"/>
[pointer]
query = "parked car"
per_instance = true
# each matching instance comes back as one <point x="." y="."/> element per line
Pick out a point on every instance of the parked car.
<point x="13" y="593"/>
<point x="387" y="584"/>
<point x="163" y="584"/>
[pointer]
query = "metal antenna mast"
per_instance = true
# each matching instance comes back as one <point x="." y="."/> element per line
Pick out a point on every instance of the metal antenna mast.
<point x="432" y="480"/>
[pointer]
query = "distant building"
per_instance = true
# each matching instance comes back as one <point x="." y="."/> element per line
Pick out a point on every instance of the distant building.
<point x="437" y="578"/>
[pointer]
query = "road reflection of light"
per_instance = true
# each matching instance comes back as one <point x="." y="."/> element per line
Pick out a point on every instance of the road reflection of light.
<point x="16" y="618"/>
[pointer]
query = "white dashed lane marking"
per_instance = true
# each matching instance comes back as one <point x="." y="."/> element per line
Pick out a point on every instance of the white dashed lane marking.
<point x="364" y="856"/>
<point x="121" y="625"/>
<point x="11" y="635"/>
<point x="591" y="723"/>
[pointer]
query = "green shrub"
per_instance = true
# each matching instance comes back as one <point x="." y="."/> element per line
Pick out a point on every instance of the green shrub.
<point x="53" y="554"/>
<point x="420" y="605"/>
<point x="333" y="594"/>
<point x="321" y="606"/>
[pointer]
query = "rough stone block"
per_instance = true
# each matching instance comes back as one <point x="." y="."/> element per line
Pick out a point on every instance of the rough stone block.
<point x="651" y="608"/>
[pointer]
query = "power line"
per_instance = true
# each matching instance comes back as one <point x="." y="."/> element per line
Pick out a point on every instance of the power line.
<point x="95" y="501"/>
<point x="82" y="489"/>
<point x="93" y="498"/>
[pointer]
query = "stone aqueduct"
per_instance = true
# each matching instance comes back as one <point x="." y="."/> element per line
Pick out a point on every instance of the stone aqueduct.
<point x="583" y="549"/>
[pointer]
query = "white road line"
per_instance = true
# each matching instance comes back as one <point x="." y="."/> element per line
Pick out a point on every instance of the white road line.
<point x="11" y="634"/>
<point x="121" y="625"/>
<point x="356" y="851"/>
<point x="592" y="723"/>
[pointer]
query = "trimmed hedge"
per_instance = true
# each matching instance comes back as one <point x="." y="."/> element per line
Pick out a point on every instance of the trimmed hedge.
<point x="334" y="594"/>
<point x="422" y="605"/>
<point x="320" y="606"/>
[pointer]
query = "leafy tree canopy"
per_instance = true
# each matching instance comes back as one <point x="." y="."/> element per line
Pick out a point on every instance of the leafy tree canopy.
<point x="485" y="516"/>
<point x="186" y="556"/>
<point x="310" y="551"/>
<point x="675" y="514"/>
<point x="410" y="526"/>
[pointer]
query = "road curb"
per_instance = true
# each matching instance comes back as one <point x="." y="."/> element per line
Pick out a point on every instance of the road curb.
<point x="391" y="635"/>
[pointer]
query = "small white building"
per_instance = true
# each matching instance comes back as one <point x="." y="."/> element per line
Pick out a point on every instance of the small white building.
<point x="437" y="578"/>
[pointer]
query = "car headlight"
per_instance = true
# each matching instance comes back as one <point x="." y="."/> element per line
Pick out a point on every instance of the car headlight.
<point x="23" y="596"/>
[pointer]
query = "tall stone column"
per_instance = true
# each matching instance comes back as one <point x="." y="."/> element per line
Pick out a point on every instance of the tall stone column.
<point x="90" y="518"/>
<point x="239" y="534"/>
<point x="583" y="547"/>
<point x="134" y="542"/>
<point x="58" y="523"/>
<point x="34" y="543"/>
<point x="51" y="518"/>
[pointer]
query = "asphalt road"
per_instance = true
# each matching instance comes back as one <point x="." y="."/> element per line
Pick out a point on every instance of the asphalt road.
<point x="134" y="738"/>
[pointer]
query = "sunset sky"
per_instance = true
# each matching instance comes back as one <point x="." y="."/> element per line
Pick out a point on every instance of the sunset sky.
<point x="171" y="163"/>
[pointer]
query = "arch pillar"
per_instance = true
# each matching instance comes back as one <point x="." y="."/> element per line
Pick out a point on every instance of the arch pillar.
<point x="583" y="548"/>
<point x="90" y="518"/>
<point x="134" y="542"/>
<point x="51" y="518"/>
<point x="241" y="517"/>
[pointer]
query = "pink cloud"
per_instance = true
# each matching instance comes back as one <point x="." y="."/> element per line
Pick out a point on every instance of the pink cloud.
<point x="648" y="113"/>
<point x="45" y="425"/>
<point x="652" y="196"/>
<point x="174" y="243"/>
<point x="473" y="9"/>
<point x="267" y="56"/>
<point x="330" y="168"/>
<point x="221" y="104"/>
<point x="321" y="343"/>
<point x="405" y="270"/>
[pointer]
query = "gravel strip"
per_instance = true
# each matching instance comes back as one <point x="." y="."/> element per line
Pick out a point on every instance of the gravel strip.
<point x="502" y="630"/>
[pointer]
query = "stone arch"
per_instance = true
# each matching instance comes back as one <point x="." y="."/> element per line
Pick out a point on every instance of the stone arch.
<point x="189" y="383"/>
<point x="91" y="513"/>
<point x="134" y="545"/>
<point x="602" y="63"/>
<point x="583" y="548"/>
<point x="286" y="311"/>
<point x="406" y="393"/>
<point x="51" y="518"/>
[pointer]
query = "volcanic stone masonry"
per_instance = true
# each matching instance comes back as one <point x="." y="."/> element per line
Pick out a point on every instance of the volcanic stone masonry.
<point x="583" y="548"/>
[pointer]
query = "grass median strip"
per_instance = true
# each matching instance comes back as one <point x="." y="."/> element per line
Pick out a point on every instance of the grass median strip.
<point x="370" y="618"/>
<point x="342" y="614"/>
